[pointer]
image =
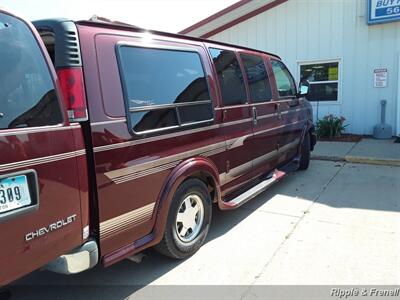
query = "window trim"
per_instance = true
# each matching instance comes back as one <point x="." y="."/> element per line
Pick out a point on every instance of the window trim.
<point x="267" y="80"/>
<point x="218" y="84"/>
<point x="129" y="110"/>
<point x="162" y="106"/>
<point x="339" y="81"/>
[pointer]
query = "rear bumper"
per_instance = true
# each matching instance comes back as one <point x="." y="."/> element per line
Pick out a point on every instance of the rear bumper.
<point x="80" y="259"/>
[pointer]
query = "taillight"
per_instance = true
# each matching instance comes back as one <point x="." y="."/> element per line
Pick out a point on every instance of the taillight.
<point x="73" y="90"/>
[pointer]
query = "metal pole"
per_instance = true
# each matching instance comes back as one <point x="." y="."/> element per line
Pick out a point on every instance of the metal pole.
<point x="383" y="111"/>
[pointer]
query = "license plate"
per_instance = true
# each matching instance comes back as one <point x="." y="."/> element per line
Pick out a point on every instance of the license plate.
<point x="14" y="193"/>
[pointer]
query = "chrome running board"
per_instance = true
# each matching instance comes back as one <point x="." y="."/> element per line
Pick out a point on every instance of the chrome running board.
<point x="254" y="191"/>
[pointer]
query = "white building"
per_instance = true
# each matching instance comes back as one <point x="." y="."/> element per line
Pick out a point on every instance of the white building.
<point x="329" y="42"/>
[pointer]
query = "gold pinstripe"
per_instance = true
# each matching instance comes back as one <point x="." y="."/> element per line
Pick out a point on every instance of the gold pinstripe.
<point x="151" y="167"/>
<point x="126" y="221"/>
<point x="41" y="160"/>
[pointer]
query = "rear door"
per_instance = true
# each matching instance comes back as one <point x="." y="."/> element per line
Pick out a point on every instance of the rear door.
<point x="39" y="191"/>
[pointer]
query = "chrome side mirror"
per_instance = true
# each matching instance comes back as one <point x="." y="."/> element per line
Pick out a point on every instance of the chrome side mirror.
<point x="304" y="89"/>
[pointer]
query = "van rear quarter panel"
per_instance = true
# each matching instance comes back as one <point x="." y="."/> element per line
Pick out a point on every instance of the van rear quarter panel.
<point x="131" y="171"/>
<point x="59" y="197"/>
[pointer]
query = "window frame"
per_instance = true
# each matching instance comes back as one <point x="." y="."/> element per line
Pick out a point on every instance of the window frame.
<point x="339" y="81"/>
<point x="129" y="110"/>
<point x="267" y="80"/>
<point x="49" y="66"/>
<point x="218" y="84"/>
<point x="282" y="98"/>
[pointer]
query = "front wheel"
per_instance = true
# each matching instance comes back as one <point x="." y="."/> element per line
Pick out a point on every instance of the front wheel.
<point x="188" y="220"/>
<point x="305" y="153"/>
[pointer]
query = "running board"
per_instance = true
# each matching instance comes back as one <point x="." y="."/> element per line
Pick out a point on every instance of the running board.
<point x="254" y="191"/>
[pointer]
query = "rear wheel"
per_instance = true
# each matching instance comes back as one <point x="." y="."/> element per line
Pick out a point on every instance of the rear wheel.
<point x="305" y="153"/>
<point x="188" y="220"/>
<point x="5" y="294"/>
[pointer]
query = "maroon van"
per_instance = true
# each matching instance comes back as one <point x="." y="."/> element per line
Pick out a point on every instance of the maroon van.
<point x="114" y="139"/>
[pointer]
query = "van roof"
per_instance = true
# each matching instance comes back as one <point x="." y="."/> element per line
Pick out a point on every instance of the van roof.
<point x="127" y="27"/>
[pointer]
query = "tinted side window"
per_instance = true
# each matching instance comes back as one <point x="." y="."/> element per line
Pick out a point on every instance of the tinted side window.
<point x="164" y="88"/>
<point x="27" y="93"/>
<point x="257" y="77"/>
<point x="230" y="76"/>
<point x="284" y="81"/>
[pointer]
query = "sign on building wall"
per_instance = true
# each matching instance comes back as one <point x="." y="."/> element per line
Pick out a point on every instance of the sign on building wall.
<point x="380" y="78"/>
<point x="382" y="11"/>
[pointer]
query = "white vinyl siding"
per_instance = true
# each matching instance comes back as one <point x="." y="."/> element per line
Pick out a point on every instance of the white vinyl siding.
<point x="308" y="31"/>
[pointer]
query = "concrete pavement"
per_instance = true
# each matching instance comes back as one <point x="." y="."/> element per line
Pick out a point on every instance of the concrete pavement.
<point x="336" y="223"/>
<point x="334" y="151"/>
<point x="383" y="152"/>
<point x="351" y="234"/>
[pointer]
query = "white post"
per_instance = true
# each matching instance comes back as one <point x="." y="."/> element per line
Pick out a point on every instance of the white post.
<point x="398" y="99"/>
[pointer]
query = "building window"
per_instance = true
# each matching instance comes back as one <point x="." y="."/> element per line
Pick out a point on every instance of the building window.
<point x="324" y="80"/>
<point x="230" y="77"/>
<point x="164" y="89"/>
<point x="257" y="77"/>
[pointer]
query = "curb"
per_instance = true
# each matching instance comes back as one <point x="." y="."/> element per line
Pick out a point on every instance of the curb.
<point x="328" y="158"/>
<point x="372" y="160"/>
<point x="359" y="160"/>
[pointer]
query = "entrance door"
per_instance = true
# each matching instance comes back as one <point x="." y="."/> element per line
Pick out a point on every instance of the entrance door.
<point x="398" y="99"/>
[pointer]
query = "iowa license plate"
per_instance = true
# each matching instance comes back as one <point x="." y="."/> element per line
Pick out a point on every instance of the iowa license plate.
<point x="14" y="193"/>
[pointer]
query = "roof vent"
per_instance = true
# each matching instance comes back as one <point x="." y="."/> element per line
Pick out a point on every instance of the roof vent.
<point x="96" y="18"/>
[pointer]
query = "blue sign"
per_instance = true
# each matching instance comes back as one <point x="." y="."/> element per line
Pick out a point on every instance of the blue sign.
<point x="383" y="11"/>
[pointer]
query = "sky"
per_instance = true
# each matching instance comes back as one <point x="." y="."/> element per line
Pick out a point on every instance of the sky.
<point x="165" y="15"/>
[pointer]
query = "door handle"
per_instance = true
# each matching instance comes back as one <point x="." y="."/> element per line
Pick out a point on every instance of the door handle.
<point x="294" y="102"/>
<point x="224" y="114"/>
<point x="278" y="110"/>
<point x="254" y="115"/>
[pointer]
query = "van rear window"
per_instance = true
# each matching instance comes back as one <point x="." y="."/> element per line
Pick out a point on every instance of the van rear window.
<point x="27" y="93"/>
<point x="164" y="89"/>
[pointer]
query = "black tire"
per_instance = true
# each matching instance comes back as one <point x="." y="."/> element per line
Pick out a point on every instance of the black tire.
<point x="305" y="153"/>
<point x="172" y="245"/>
<point x="5" y="294"/>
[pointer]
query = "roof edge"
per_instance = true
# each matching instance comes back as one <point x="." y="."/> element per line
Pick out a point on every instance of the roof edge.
<point x="232" y="23"/>
<point x="244" y="18"/>
<point x="215" y="16"/>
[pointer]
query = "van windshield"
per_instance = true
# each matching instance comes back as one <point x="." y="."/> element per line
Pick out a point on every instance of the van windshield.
<point x="27" y="93"/>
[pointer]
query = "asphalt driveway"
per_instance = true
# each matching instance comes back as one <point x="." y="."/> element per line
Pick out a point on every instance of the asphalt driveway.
<point x="336" y="223"/>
